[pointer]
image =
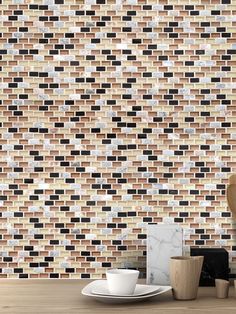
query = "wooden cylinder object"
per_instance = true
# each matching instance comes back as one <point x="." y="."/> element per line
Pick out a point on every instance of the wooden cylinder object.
<point x="232" y="179"/>
<point x="235" y="287"/>
<point x="231" y="194"/>
<point x="184" y="276"/>
<point x="222" y="288"/>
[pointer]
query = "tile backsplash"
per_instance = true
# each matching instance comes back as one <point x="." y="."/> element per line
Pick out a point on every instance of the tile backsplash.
<point x="114" y="114"/>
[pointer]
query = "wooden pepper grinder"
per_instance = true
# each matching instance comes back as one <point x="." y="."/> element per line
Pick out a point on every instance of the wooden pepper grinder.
<point x="231" y="194"/>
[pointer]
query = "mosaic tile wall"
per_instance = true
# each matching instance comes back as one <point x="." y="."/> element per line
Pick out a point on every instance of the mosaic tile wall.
<point x="114" y="114"/>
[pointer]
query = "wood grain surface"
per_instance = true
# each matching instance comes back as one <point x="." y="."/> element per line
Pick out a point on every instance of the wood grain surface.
<point x="231" y="198"/>
<point x="184" y="276"/>
<point x="64" y="296"/>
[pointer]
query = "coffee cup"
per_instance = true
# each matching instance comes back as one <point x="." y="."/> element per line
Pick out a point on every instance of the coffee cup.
<point x="122" y="281"/>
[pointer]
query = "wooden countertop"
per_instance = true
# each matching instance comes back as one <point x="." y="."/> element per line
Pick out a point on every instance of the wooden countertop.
<point x="64" y="296"/>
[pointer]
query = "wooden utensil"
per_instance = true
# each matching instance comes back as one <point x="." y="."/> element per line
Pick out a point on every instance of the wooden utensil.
<point x="184" y="276"/>
<point x="231" y="194"/>
<point x="222" y="288"/>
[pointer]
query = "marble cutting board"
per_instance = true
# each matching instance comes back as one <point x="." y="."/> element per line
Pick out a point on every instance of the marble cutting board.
<point x="163" y="241"/>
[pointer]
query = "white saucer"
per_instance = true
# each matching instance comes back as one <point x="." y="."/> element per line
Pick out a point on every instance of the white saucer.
<point x="97" y="284"/>
<point x="102" y="289"/>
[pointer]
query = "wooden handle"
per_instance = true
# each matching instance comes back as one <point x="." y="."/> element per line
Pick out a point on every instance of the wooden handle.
<point x="232" y="179"/>
<point x="231" y="194"/>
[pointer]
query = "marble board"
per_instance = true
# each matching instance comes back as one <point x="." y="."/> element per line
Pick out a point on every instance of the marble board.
<point x="163" y="241"/>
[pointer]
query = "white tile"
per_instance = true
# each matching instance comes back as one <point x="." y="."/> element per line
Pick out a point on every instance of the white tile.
<point x="163" y="241"/>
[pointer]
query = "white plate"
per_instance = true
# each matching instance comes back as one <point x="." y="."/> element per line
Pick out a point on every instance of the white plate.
<point x="87" y="291"/>
<point x="102" y="289"/>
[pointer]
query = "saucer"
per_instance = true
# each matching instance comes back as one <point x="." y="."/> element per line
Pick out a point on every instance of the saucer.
<point x="102" y="289"/>
<point x="97" y="284"/>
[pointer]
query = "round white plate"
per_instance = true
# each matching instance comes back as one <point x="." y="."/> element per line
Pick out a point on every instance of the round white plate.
<point x="97" y="284"/>
<point x="102" y="289"/>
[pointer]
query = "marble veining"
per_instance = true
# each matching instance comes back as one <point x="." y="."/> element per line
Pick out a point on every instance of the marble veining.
<point x="163" y="241"/>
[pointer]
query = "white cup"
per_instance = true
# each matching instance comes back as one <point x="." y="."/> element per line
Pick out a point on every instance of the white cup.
<point x="122" y="281"/>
